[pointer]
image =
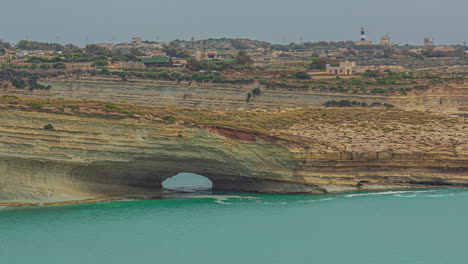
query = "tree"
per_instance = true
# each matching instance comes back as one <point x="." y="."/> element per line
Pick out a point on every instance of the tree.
<point x="243" y="58"/>
<point x="318" y="64"/>
<point x="4" y="45"/>
<point x="249" y="95"/>
<point x="100" y="63"/>
<point x="174" y="51"/>
<point x="97" y="50"/>
<point x="192" y="64"/>
<point x="35" y="45"/>
<point x="135" y="52"/>
<point x="302" y="75"/>
<point x="59" y="65"/>
<point x="279" y="47"/>
<point x="256" y="92"/>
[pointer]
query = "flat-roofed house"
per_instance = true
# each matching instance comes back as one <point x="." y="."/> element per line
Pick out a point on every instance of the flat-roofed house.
<point x="345" y="68"/>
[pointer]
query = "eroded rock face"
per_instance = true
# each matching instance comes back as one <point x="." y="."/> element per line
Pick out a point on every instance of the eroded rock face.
<point x="222" y="96"/>
<point x="89" y="157"/>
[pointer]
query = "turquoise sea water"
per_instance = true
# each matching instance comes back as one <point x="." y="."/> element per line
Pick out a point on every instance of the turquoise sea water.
<point x="416" y="226"/>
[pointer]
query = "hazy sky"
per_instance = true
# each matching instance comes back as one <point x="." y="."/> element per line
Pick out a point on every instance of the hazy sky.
<point x="407" y="21"/>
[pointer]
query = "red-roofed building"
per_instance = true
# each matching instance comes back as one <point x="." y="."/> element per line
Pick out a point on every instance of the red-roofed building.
<point x="211" y="55"/>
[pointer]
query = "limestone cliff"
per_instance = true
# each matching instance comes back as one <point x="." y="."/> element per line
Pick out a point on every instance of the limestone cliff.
<point x="312" y="150"/>
<point x="222" y="96"/>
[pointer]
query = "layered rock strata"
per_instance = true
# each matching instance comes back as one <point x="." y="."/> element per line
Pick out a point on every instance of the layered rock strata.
<point x="222" y="96"/>
<point x="90" y="156"/>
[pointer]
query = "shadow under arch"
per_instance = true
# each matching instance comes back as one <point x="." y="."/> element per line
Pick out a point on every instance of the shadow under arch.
<point x="187" y="182"/>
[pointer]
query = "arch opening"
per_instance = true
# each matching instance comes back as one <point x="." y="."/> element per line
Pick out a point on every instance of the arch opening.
<point x="188" y="182"/>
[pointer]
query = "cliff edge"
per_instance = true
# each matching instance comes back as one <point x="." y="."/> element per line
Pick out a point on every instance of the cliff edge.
<point x="96" y="150"/>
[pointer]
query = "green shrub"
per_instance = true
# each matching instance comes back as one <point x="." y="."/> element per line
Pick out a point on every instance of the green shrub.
<point x="35" y="105"/>
<point x="49" y="127"/>
<point x="10" y="96"/>
<point x="74" y="107"/>
<point x="113" y="106"/>
<point x="302" y="76"/>
<point x="18" y="83"/>
<point x="256" y="92"/>
<point x="59" y="65"/>
<point x="169" y="119"/>
<point x="249" y="96"/>
<point x="380" y="90"/>
<point x="344" y="103"/>
<point x="421" y="87"/>
<point x="100" y="63"/>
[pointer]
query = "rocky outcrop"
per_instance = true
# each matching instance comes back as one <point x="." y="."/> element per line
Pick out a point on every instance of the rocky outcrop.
<point x="90" y="156"/>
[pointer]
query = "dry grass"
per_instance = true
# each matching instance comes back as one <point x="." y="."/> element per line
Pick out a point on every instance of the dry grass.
<point x="260" y="120"/>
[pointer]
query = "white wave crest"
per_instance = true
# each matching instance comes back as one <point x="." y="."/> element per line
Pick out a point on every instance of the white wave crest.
<point x="222" y="199"/>
<point x="439" y="195"/>
<point x="315" y="200"/>
<point x="388" y="193"/>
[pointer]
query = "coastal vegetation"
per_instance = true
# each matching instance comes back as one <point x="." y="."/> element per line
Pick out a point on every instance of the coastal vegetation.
<point x="255" y="119"/>
<point x="347" y="103"/>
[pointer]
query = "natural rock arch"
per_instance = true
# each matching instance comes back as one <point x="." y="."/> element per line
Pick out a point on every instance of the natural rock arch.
<point x="188" y="182"/>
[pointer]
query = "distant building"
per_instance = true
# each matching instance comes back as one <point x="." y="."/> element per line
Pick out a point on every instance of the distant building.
<point x="417" y="51"/>
<point x="137" y="41"/>
<point x="428" y="42"/>
<point x="211" y="55"/>
<point x="158" y="53"/>
<point x="105" y="45"/>
<point x="199" y="55"/>
<point x="157" y="62"/>
<point x="180" y="63"/>
<point x="21" y="54"/>
<point x="125" y="65"/>
<point x="364" y="43"/>
<point x="345" y="68"/>
<point x="385" y="40"/>
<point x="444" y="48"/>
